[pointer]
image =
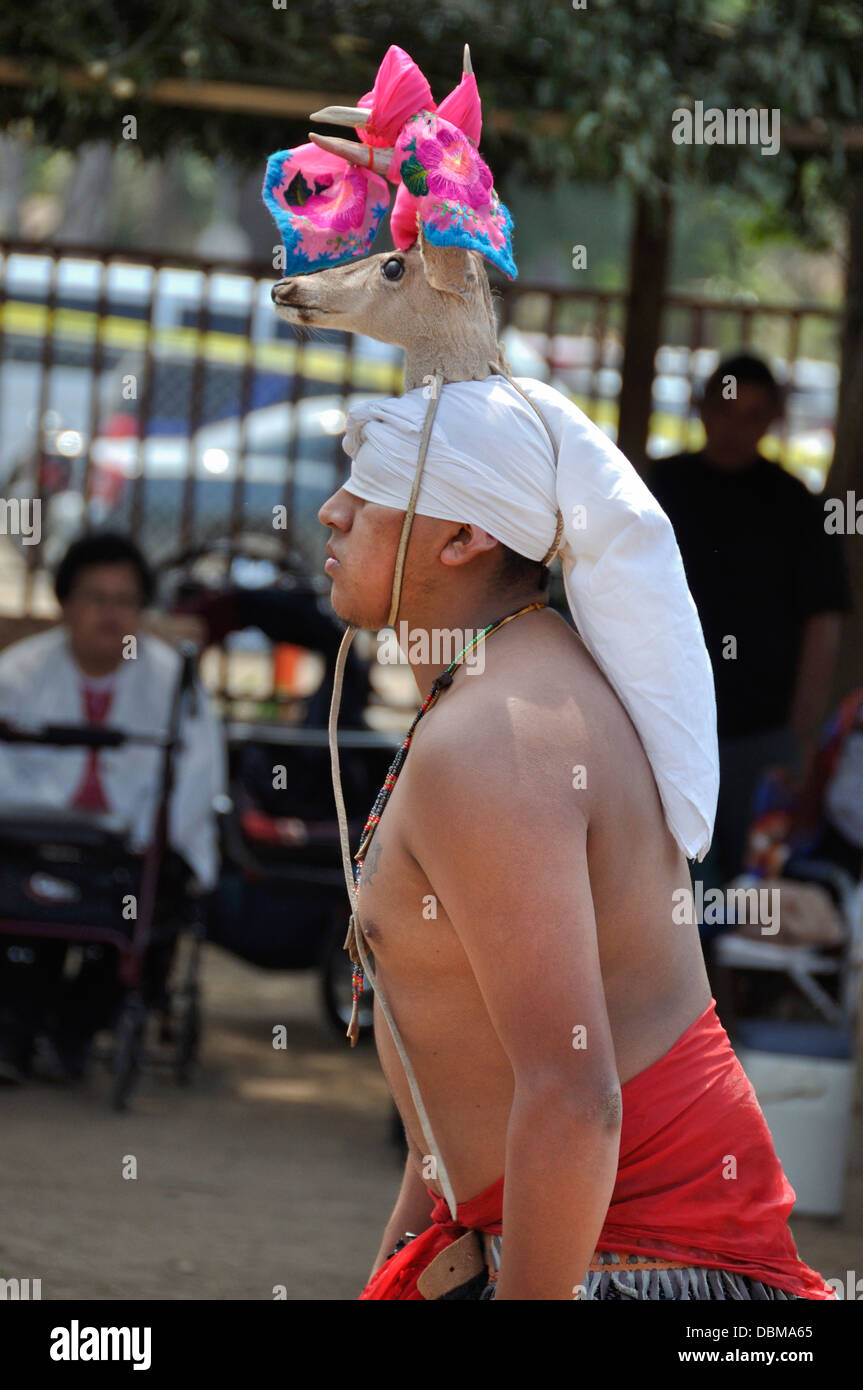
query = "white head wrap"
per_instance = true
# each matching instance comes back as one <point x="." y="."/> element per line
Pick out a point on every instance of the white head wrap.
<point x="490" y="463"/>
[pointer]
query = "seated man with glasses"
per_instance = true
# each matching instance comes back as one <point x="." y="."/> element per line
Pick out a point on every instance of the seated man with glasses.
<point x="98" y="667"/>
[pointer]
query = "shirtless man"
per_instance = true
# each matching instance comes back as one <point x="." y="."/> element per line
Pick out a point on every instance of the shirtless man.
<point x="552" y="903"/>
<point x="519" y="914"/>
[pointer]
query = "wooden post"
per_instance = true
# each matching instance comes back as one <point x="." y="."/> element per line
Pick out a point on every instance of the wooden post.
<point x="846" y="472"/>
<point x="648" y="270"/>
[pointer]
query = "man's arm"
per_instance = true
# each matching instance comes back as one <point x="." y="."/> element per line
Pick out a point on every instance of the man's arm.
<point x="819" y="647"/>
<point x="502" y="837"/>
<point x="27" y="779"/>
<point x="201" y="776"/>
<point x="412" y="1212"/>
<point x="822" y="583"/>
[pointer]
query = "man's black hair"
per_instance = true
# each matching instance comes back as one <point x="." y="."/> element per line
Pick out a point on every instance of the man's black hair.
<point x="104" y="548"/>
<point x="517" y="571"/>
<point x="747" y="370"/>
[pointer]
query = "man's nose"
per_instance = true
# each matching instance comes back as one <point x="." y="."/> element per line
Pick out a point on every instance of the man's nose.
<point x="329" y="514"/>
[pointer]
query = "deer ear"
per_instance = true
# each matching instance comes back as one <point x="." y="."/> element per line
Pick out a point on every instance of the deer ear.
<point x="447" y="268"/>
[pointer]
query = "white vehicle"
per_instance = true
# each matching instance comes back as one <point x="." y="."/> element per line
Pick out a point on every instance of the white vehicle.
<point x="269" y="473"/>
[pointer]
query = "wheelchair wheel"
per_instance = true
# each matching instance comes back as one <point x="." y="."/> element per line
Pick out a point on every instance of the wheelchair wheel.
<point x="128" y="1050"/>
<point x="337" y="989"/>
<point x="188" y="1035"/>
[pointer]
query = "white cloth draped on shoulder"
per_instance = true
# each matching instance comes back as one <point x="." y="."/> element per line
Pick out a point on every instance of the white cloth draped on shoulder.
<point x="490" y="463"/>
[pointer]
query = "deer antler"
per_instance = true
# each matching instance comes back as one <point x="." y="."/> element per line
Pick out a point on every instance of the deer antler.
<point x="341" y="115"/>
<point x="366" y="156"/>
<point x="355" y="151"/>
<point x="359" y="115"/>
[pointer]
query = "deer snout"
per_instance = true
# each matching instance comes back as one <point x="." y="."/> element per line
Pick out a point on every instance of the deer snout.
<point x="291" y="298"/>
<point x="283" y="292"/>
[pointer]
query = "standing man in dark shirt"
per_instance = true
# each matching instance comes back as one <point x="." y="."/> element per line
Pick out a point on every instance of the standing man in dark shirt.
<point x="770" y="587"/>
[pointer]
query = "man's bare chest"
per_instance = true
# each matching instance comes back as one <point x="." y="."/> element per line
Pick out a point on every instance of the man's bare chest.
<point x="404" y="923"/>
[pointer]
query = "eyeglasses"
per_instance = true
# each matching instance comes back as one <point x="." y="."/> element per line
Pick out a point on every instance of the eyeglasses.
<point x="99" y="598"/>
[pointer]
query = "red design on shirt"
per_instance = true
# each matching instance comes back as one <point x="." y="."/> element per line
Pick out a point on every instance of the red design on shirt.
<point x="90" y="795"/>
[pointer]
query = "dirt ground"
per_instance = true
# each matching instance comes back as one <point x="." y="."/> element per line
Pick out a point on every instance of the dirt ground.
<point x="275" y="1168"/>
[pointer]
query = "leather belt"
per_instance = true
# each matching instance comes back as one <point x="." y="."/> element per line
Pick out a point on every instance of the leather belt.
<point x="600" y="1260"/>
<point x="464" y="1258"/>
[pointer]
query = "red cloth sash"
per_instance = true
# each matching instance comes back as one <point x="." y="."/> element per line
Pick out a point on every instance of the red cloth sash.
<point x="698" y="1179"/>
<point x="397" y="1278"/>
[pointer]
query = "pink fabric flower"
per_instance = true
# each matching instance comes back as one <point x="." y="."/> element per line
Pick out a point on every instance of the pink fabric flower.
<point x="455" y="169"/>
<point x="400" y="90"/>
<point x="463" y="107"/>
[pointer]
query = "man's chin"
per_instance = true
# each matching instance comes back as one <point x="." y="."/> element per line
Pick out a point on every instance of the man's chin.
<point x="353" y="616"/>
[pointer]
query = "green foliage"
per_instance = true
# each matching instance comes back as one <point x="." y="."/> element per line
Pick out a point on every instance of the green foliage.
<point x="583" y="94"/>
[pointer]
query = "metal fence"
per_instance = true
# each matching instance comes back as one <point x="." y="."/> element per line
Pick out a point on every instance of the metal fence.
<point x="579" y="334"/>
<point x="165" y="398"/>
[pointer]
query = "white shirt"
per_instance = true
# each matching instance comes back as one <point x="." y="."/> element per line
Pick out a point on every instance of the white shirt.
<point x="40" y="683"/>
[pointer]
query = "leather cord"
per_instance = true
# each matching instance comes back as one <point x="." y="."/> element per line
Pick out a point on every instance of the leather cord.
<point x="353" y="941"/>
<point x="412" y="501"/>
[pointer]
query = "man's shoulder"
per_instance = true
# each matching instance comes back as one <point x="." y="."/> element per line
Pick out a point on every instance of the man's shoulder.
<point x="670" y="462"/>
<point x="157" y="669"/>
<point x="29" y="654"/>
<point x="158" y="655"/>
<point x="476" y="783"/>
<point x="159" y="666"/>
<point x="517" y="742"/>
<point x="675" y="468"/>
<point x="784" y="484"/>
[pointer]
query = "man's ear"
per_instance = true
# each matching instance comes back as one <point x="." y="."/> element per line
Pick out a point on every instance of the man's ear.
<point x="447" y="268"/>
<point x="467" y="542"/>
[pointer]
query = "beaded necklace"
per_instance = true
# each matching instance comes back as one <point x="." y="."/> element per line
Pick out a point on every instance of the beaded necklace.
<point x="443" y="681"/>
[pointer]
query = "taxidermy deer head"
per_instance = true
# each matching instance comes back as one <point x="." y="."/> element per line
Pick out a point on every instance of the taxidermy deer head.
<point x="430" y="295"/>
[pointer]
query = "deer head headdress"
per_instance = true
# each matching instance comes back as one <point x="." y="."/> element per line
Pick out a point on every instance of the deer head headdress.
<point x="432" y="295"/>
<point x="328" y="197"/>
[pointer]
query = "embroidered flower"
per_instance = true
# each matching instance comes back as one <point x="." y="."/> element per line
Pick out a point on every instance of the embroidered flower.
<point x="326" y="210"/>
<point x="454" y="168"/>
<point x="341" y="206"/>
<point x="414" y="176"/>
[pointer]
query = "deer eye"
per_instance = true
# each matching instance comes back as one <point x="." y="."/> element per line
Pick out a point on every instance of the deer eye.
<point x="393" y="269"/>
